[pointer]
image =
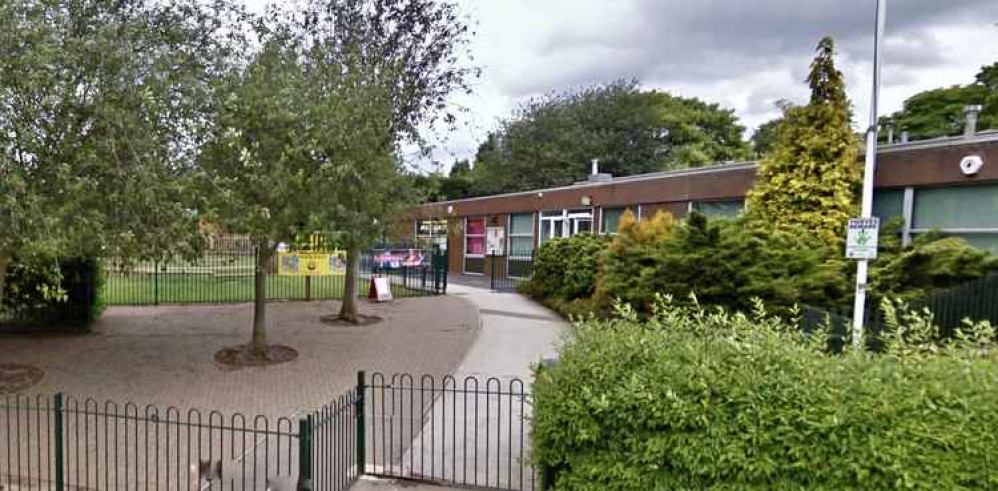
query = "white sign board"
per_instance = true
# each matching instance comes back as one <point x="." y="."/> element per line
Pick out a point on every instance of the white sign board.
<point x="495" y="241"/>
<point x="382" y="289"/>
<point x="862" y="237"/>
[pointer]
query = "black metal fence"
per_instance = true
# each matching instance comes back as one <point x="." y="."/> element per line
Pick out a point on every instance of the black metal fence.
<point x="65" y="443"/>
<point x="975" y="301"/>
<point x="334" y="445"/>
<point x="508" y="272"/>
<point x="470" y="431"/>
<point x="224" y="273"/>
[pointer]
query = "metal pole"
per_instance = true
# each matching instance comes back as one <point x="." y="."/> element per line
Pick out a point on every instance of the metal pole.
<point x="305" y="454"/>
<point x="859" y="308"/>
<point x="60" y="471"/>
<point x="361" y="423"/>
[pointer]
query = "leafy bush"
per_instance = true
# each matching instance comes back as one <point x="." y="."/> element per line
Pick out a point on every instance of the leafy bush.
<point x="695" y="399"/>
<point x="725" y="262"/>
<point x="46" y="292"/>
<point x="930" y="262"/>
<point x="565" y="269"/>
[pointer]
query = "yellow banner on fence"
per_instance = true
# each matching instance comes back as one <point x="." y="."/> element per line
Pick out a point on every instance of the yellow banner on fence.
<point x="311" y="264"/>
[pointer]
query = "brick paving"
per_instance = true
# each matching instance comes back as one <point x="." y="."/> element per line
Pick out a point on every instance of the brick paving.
<point x="164" y="355"/>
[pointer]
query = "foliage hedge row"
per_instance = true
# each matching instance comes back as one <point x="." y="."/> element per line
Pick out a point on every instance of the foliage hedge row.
<point x="49" y="292"/>
<point x="728" y="262"/>
<point x="695" y="399"/>
<point x="566" y="268"/>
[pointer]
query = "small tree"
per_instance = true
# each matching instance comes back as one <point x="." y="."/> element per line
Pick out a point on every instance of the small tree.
<point x="283" y="147"/>
<point x="810" y="179"/>
<point x="409" y="51"/>
<point x="101" y="106"/>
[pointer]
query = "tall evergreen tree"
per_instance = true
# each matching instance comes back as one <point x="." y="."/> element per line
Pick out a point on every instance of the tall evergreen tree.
<point x="811" y="178"/>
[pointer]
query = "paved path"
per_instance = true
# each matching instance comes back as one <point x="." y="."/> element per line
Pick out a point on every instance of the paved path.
<point x="515" y="334"/>
<point x="164" y="355"/>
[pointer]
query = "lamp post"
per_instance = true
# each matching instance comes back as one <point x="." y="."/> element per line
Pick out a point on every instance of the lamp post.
<point x="859" y="307"/>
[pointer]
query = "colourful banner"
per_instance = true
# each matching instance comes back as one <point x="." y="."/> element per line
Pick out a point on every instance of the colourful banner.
<point x="398" y="258"/>
<point x="311" y="264"/>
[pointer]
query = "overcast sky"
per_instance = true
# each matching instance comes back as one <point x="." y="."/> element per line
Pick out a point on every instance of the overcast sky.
<point x="743" y="54"/>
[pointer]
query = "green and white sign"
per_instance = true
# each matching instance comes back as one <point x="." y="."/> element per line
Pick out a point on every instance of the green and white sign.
<point x="862" y="237"/>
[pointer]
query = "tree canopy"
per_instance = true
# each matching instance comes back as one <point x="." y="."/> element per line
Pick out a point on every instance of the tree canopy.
<point x="102" y="108"/>
<point x="551" y="140"/>
<point x="810" y="180"/>
<point x="940" y="112"/>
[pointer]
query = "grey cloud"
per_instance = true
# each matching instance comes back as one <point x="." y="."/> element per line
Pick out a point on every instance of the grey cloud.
<point x="697" y="41"/>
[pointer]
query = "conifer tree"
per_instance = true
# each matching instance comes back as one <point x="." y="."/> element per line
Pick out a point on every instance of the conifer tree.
<point x="810" y="180"/>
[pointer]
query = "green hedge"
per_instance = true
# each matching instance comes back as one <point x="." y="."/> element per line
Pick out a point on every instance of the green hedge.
<point x="565" y="269"/>
<point x="50" y="293"/>
<point x="726" y="262"/>
<point x="704" y="400"/>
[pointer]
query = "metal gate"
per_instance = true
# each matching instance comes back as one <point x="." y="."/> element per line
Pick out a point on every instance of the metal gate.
<point x="466" y="431"/>
<point x="508" y="272"/>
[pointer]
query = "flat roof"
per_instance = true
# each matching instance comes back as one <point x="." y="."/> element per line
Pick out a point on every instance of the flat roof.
<point x="987" y="136"/>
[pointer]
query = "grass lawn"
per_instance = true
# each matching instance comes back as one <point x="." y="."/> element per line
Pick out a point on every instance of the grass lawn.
<point x="206" y="288"/>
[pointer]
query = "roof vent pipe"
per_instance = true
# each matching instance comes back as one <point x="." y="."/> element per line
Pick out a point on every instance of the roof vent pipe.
<point x="972" y="113"/>
<point x="595" y="170"/>
<point x="904" y="137"/>
<point x="890" y="132"/>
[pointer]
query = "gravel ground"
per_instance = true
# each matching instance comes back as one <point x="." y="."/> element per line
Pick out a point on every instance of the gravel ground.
<point x="164" y="355"/>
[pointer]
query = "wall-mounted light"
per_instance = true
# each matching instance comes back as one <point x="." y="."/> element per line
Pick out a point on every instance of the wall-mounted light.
<point x="450" y="209"/>
<point x="971" y="165"/>
<point x="540" y="195"/>
<point x="586" y="200"/>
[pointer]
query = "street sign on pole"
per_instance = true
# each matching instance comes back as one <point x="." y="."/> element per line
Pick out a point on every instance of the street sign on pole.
<point x="859" y="305"/>
<point x="862" y="237"/>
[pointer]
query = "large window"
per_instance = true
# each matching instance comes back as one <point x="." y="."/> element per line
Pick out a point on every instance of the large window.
<point x="888" y="203"/>
<point x="610" y="220"/>
<point x="968" y="212"/>
<point x="521" y="244"/>
<point x="521" y="234"/>
<point x="720" y="209"/>
<point x="565" y="223"/>
<point x="474" y="245"/>
<point x="432" y="232"/>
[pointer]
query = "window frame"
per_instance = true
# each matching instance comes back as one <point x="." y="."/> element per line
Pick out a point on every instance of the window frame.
<point x="433" y="238"/>
<point x="483" y="235"/>
<point x="511" y="235"/>
<point x="602" y="218"/>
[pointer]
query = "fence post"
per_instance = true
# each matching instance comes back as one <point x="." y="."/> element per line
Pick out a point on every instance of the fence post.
<point x="492" y="271"/>
<point x="361" y="423"/>
<point x="308" y="288"/>
<point x="155" y="280"/>
<point x="60" y="471"/>
<point x="305" y="454"/>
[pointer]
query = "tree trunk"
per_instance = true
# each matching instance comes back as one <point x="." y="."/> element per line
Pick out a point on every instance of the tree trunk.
<point x="4" y="262"/>
<point x="348" y="309"/>
<point x="259" y="342"/>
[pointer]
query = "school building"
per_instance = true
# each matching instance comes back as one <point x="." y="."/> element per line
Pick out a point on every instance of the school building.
<point x="946" y="184"/>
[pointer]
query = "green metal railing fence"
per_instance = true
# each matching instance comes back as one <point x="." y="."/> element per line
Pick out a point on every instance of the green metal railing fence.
<point x="62" y="443"/>
<point x="225" y="274"/>
<point x="975" y="300"/>
<point x="471" y="432"/>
